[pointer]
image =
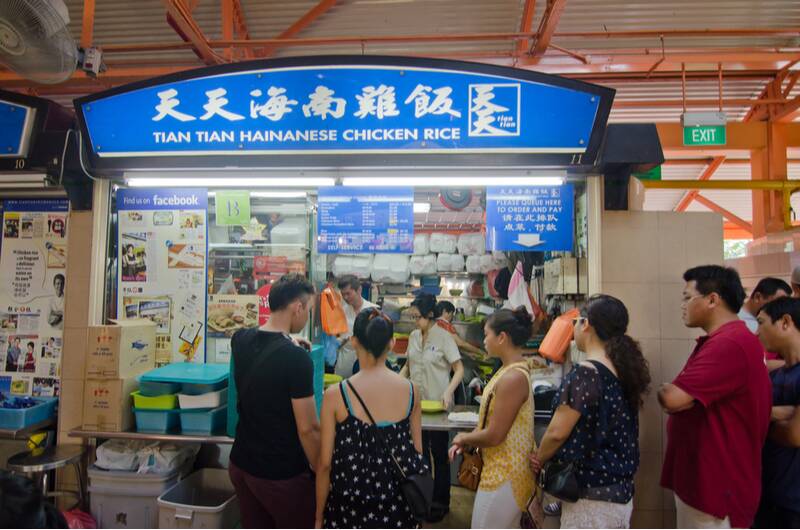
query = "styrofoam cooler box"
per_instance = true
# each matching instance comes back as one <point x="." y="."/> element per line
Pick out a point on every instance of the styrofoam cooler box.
<point x="204" y="499"/>
<point x="126" y="499"/>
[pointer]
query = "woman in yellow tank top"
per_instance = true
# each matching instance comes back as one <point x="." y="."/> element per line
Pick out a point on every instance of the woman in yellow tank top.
<point x="506" y="482"/>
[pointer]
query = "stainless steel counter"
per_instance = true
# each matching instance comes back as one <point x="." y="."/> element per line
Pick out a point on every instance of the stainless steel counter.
<point x="438" y="421"/>
<point x="185" y="438"/>
<point x="430" y="422"/>
<point x="21" y="434"/>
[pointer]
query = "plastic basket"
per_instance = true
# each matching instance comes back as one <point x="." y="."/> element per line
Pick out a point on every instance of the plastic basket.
<point x="157" y="421"/>
<point x="204" y="421"/>
<point x="13" y="419"/>
<point x="195" y="389"/>
<point x="204" y="499"/>
<point x="209" y="400"/>
<point x="165" y="402"/>
<point x="157" y="388"/>
<point x="126" y="499"/>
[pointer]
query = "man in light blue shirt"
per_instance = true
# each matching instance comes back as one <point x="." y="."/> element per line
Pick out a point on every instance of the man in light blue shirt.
<point x="767" y="290"/>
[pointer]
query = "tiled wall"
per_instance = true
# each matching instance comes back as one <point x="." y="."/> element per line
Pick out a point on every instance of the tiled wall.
<point x="644" y="255"/>
<point x="76" y="317"/>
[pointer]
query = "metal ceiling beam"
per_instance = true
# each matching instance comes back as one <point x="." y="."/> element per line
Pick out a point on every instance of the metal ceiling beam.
<point x="87" y="24"/>
<point x="187" y="28"/>
<point x="322" y="7"/>
<point x="707" y="173"/>
<point x="727" y="214"/>
<point x="547" y="27"/>
<point x="525" y="25"/>
<point x="638" y="34"/>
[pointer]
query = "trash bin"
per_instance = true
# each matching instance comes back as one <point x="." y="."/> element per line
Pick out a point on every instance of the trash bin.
<point x="204" y="499"/>
<point x="126" y="499"/>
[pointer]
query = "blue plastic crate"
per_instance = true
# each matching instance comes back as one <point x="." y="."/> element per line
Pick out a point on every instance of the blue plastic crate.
<point x="204" y="421"/>
<point x="192" y="373"/>
<point x="195" y="389"/>
<point x="157" y="388"/>
<point x="157" y="421"/>
<point x="15" y="419"/>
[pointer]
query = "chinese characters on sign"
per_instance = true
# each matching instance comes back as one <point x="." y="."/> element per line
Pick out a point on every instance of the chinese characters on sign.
<point x="365" y="220"/>
<point x="530" y="218"/>
<point x="342" y="109"/>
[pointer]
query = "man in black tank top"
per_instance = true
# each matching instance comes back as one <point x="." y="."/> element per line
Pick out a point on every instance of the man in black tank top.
<point x="277" y="436"/>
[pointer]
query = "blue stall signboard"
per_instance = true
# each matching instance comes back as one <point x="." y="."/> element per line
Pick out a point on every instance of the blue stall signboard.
<point x="15" y="125"/>
<point x="354" y="220"/>
<point x="530" y="218"/>
<point x="344" y="108"/>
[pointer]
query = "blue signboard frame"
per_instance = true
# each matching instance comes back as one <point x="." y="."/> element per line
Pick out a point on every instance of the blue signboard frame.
<point x="530" y="218"/>
<point x="21" y="118"/>
<point x="356" y="220"/>
<point x="571" y="116"/>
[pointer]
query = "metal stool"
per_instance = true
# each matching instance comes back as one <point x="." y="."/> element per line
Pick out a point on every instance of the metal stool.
<point x="38" y="463"/>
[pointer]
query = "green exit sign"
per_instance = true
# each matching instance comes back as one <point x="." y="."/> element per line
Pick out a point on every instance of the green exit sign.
<point x="704" y="135"/>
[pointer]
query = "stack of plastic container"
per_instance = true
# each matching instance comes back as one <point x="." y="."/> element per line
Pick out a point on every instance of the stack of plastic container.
<point x="183" y="398"/>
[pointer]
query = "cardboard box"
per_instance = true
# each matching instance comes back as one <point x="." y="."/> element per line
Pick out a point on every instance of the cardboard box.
<point x="124" y="349"/>
<point x="107" y="404"/>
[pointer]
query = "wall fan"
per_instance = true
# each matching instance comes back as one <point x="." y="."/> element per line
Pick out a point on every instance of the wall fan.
<point x="35" y="41"/>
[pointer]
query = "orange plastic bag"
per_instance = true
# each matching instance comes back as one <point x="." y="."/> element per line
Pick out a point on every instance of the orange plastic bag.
<point x="557" y="340"/>
<point x="331" y="313"/>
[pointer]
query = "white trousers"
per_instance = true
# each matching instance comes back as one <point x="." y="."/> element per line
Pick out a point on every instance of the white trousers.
<point x="496" y="509"/>
<point x="688" y="517"/>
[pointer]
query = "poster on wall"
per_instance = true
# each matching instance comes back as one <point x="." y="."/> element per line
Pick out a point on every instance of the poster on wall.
<point x="33" y="262"/>
<point x="162" y="267"/>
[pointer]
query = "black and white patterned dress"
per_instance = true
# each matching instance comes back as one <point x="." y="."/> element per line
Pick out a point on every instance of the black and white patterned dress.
<point x="365" y="490"/>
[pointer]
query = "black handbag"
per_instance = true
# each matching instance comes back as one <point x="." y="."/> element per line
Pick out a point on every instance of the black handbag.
<point x="559" y="480"/>
<point x="417" y="488"/>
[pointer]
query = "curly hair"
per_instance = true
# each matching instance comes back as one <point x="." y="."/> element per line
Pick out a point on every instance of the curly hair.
<point x="609" y="318"/>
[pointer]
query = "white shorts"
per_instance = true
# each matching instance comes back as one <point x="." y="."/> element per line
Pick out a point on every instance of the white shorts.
<point x="596" y="514"/>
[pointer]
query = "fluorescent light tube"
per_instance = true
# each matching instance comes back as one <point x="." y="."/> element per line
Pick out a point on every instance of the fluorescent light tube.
<point x="452" y="182"/>
<point x="278" y="194"/>
<point x="232" y="182"/>
<point x="422" y="207"/>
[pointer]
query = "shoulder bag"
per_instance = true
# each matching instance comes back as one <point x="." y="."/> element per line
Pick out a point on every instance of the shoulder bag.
<point x="469" y="472"/>
<point x="417" y="488"/>
<point x="559" y="478"/>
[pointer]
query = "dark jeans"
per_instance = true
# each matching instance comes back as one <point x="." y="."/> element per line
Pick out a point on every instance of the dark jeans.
<point x="434" y="448"/>
<point x="772" y="516"/>
<point x="266" y="503"/>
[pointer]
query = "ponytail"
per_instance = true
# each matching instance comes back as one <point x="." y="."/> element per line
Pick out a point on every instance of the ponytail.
<point x="632" y="368"/>
<point x="609" y="318"/>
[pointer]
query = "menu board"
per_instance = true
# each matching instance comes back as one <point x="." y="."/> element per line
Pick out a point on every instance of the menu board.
<point x="162" y="267"/>
<point x="353" y="220"/>
<point x="33" y="264"/>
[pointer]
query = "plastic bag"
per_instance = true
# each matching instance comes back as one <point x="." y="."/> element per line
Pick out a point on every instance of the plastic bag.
<point x="500" y="260"/>
<point x="444" y="243"/>
<point x="471" y="244"/>
<point x="390" y="268"/>
<point x="360" y="265"/>
<point x="473" y="264"/>
<point x="144" y="456"/>
<point x="166" y="457"/>
<point x="79" y="519"/>
<point x="486" y="263"/>
<point x="421" y="244"/>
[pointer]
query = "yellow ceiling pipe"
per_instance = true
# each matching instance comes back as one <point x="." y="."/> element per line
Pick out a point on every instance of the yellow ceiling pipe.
<point x="787" y="187"/>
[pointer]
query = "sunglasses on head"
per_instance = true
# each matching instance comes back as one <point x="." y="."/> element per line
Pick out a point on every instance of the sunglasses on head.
<point x="375" y="312"/>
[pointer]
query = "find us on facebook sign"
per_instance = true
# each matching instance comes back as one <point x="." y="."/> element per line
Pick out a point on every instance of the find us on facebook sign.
<point x="340" y="109"/>
<point x="522" y="218"/>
